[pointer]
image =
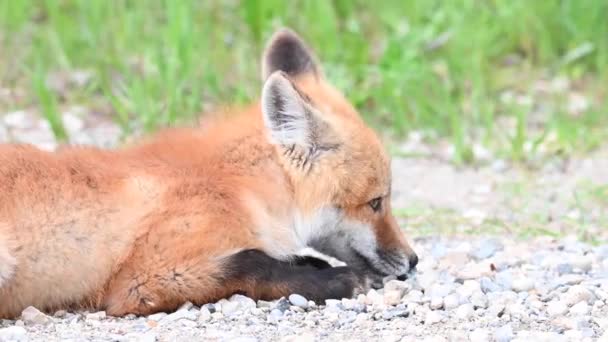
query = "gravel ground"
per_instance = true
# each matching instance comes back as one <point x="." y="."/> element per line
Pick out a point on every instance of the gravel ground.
<point x="491" y="285"/>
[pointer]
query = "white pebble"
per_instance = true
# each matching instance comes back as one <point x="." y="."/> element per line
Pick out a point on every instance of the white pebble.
<point x="479" y="335"/>
<point x="13" y="333"/>
<point x="432" y="317"/>
<point x="392" y="297"/>
<point x="96" y="316"/>
<point x="465" y="311"/>
<point x="451" y="302"/>
<point x="576" y="294"/>
<point x="504" y="333"/>
<point x="298" y="300"/>
<point x="522" y="284"/>
<point x="436" y="303"/>
<point x="205" y="315"/>
<point x="31" y="315"/>
<point x="580" y="309"/>
<point x="557" y="308"/>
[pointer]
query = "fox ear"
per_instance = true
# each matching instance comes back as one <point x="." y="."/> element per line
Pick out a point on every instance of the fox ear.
<point x="289" y="118"/>
<point x="287" y="52"/>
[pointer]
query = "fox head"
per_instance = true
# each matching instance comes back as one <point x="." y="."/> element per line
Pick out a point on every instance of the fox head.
<point x="338" y="167"/>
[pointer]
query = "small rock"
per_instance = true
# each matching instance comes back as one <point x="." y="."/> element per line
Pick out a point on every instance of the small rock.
<point x="496" y="310"/>
<point x="244" y="339"/>
<point x="13" y="333"/>
<point x="522" y="284"/>
<point x="60" y="313"/>
<point x="564" y="269"/>
<point x="479" y="335"/>
<point x="557" y="308"/>
<point x="96" y="316"/>
<point x="436" y="303"/>
<point x="19" y="119"/>
<point x="440" y="290"/>
<point x="298" y="300"/>
<point x="31" y="315"/>
<point x="205" y="315"/>
<point x="306" y="337"/>
<point x="568" y="279"/>
<point x="414" y="296"/>
<point x="488" y="285"/>
<point x="504" y="279"/>
<point x="397" y="285"/>
<point x="374" y="298"/>
<point x="394" y="312"/>
<point x="479" y="300"/>
<point x="244" y="302"/>
<point x="576" y="294"/>
<point x="157" y="316"/>
<point x="333" y="303"/>
<point x="580" y="309"/>
<point x="465" y="311"/>
<point x="487" y="248"/>
<point x="150" y="336"/>
<point x="451" y="302"/>
<point x="432" y="317"/>
<point x="180" y="314"/>
<point x="73" y="124"/>
<point x="392" y="297"/>
<point x="353" y="305"/>
<point x="504" y="333"/>
<point x="281" y="305"/>
<point x="210" y="306"/>
<point x="186" y="306"/>
<point x="582" y="263"/>
<point x="467" y="289"/>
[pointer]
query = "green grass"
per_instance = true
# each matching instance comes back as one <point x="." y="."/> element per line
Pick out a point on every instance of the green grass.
<point x="408" y="65"/>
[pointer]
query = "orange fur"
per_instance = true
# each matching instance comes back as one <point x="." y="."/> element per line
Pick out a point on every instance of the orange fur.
<point x="147" y="227"/>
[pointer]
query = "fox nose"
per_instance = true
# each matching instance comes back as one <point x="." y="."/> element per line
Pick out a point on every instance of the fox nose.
<point x="413" y="261"/>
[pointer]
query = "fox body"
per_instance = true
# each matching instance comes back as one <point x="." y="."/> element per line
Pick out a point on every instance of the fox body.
<point x="198" y="214"/>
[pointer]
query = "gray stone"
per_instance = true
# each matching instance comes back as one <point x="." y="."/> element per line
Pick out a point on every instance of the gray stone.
<point x="281" y="305"/>
<point x="487" y="248"/>
<point x="564" y="268"/>
<point x="504" y="279"/>
<point x="210" y="306"/>
<point x="179" y="314"/>
<point x="487" y="285"/>
<point x="353" y="305"/>
<point x="298" y="300"/>
<point x="391" y="313"/>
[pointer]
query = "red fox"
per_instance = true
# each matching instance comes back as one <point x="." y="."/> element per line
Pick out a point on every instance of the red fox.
<point x="198" y="214"/>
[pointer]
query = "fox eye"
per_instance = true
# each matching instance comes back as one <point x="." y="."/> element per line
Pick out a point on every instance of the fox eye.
<point x="376" y="204"/>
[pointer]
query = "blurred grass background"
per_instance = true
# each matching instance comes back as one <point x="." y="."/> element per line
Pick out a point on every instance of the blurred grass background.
<point x="511" y="76"/>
